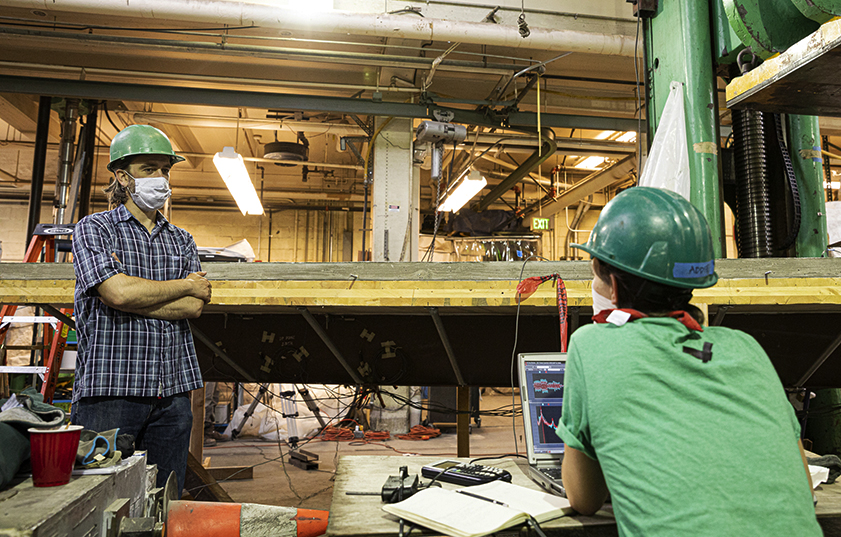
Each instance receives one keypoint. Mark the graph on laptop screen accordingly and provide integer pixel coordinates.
(545, 383)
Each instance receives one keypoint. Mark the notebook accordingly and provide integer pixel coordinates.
(479, 509)
(541, 394)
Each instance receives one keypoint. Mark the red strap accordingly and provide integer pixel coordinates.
(530, 285)
(685, 319)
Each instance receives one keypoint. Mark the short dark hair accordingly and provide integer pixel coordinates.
(647, 296)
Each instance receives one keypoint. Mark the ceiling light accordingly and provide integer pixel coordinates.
(233, 172)
(834, 185)
(590, 163)
(629, 136)
(604, 135)
(470, 185)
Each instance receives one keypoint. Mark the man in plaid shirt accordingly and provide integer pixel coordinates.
(138, 280)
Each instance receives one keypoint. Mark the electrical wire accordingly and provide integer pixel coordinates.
(639, 99)
(420, 432)
(514, 351)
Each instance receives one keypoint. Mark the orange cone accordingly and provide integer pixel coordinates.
(211, 519)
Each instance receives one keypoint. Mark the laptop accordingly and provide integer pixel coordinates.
(541, 395)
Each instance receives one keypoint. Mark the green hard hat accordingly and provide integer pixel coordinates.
(657, 235)
(141, 140)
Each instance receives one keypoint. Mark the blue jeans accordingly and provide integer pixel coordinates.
(161, 427)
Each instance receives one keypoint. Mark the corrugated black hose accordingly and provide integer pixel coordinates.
(792, 182)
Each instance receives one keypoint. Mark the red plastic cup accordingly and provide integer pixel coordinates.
(53, 454)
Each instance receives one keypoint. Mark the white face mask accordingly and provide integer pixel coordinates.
(600, 302)
(150, 193)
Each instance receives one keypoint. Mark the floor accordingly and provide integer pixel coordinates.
(276, 482)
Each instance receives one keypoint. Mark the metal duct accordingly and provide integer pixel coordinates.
(753, 205)
(268, 16)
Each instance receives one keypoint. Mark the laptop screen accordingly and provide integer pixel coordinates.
(544, 382)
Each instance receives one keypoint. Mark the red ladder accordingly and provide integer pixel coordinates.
(44, 239)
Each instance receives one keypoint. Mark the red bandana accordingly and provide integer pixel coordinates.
(685, 319)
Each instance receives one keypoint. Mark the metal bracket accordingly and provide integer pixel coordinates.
(819, 362)
(442, 333)
(330, 345)
(201, 336)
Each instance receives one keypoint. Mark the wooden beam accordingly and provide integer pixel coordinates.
(197, 432)
(201, 485)
(463, 421)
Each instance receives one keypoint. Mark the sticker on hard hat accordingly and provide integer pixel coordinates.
(693, 270)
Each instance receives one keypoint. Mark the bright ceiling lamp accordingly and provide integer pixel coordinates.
(590, 163)
(629, 136)
(470, 185)
(604, 135)
(232, 169)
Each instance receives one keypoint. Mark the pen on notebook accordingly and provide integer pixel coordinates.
(481, 498)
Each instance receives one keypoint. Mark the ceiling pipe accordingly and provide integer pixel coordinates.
(546, 150)
(340, 22)
(245, 123)
(257, 51)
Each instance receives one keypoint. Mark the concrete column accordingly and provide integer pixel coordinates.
(396, 193)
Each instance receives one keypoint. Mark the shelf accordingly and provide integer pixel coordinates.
(805, 79)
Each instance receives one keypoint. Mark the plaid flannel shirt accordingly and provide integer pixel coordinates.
(120, 353)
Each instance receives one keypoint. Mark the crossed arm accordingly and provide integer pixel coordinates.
(170, 300)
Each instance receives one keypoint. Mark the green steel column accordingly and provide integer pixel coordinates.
(679, 48)
(805, 147)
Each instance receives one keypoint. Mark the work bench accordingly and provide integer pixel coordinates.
(362, 516)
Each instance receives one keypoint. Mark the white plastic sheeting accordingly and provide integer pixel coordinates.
(667, 165)
(268, 423)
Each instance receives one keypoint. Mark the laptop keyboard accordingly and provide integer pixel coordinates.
(554, 473)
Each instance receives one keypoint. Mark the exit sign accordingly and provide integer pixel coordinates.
(539, 223)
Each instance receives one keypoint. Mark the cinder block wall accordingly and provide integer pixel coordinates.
(280, 236)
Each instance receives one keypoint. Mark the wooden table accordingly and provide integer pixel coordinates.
(358, 516)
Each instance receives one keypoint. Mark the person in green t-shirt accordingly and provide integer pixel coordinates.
(687, 427)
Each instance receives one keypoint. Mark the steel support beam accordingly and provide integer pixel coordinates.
(330, 345)
(201, 336)
(589, 185)
(678, 45)
(448, 348)
(546, 150)
(804, 139)
(819, 362)
(307, 103)
(39, 161)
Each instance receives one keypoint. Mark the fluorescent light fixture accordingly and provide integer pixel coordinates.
(232, 169)
(470, 185)
(604, 135)
(591, 163)
(834, 185)
(629, 136)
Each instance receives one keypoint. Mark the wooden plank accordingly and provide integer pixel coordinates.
(487, 288)
(201, 485)
(197, 432)
(463, 421)
(231, 473)
(58, 273)
(802, 80)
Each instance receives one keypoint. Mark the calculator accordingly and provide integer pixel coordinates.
(462, 473)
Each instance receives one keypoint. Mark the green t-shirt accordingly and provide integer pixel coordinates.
(687, 447)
